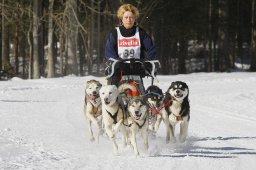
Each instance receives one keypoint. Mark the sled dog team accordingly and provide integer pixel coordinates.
(112, 110)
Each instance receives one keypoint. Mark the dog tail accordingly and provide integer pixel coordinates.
(126, 86)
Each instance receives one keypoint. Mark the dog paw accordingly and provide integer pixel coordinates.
(172, 141)
(124, 144)
(137, 154)
(167, 140)
(153, 136)
(151, 128)
(146, 147)
(92, 139)
(112, 136)
(182, 139)
(101, 131)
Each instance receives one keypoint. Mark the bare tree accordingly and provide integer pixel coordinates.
(5, 41)
(71, 12)
(253, 38)
(37, 5)
(209, 67)
(223, 36)
(50, 64)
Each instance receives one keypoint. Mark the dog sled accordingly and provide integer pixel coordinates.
(149, 69)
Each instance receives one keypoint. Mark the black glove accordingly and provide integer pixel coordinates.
(119, 59)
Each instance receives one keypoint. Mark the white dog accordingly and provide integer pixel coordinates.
(93, 107)
(112, 111)
(137, 122)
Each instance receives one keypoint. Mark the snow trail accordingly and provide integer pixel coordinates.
(42, 126)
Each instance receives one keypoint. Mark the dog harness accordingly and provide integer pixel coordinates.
(140, 126)
(114, 117)
(95, 110)
(93, 99)
(177, 118)
(156, 110)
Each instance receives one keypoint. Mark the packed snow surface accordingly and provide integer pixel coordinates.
(42, 126)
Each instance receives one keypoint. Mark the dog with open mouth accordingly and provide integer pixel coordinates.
(113, 111)
(137, 122)
(179, 110)
(93, 107)
(154, 98)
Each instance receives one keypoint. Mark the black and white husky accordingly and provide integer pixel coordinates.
(179, 110)
(154, 98)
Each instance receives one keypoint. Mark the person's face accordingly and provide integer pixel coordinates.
(128, 19)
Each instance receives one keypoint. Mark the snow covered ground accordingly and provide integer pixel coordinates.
(42, 126)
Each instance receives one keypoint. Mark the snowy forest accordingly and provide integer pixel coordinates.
(53, 38)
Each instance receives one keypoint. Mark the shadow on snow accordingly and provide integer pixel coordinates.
(192, 148)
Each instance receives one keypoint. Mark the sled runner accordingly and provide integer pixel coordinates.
(147, 69)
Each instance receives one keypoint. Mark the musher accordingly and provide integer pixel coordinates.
(127, 45)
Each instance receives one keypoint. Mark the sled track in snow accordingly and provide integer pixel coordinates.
(224, 113)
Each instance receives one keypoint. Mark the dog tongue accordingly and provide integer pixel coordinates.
(93, 97)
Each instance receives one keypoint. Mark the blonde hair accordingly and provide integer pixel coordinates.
(127, 7)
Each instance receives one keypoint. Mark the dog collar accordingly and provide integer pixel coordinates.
(140, 126)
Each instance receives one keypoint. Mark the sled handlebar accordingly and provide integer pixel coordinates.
(112, 63)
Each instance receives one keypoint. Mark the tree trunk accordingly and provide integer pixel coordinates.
(183, 52)
(5, 62)
(22, 52)
(50, 62)
(30, 63)
(15, 48)
(62, 43)
(253, 39)
(72, 65)
(2, 33)
(81, 54)
(37, 4)
(6, 50)
(223, 37)
(209, 67)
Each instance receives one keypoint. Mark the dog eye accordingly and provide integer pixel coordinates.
(110, 92)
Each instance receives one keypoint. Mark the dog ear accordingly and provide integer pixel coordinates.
(99, 84)
(171, 86)
(86, 85)
(185, 84)
(161, 91)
